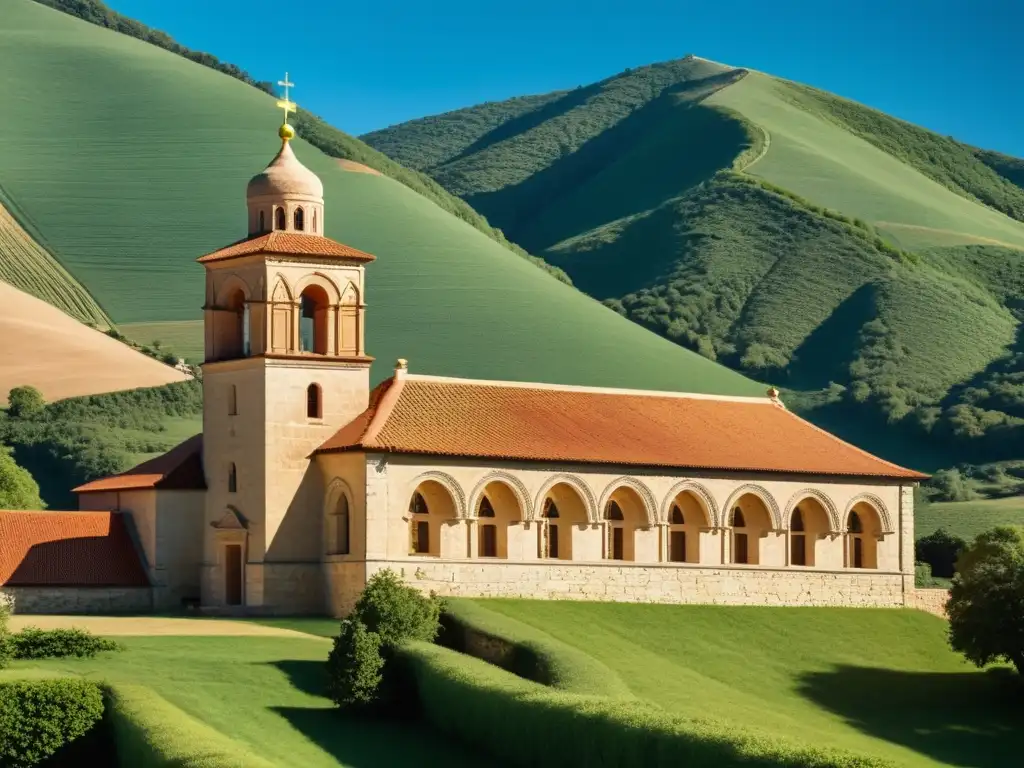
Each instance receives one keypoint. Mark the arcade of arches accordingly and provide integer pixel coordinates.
(498, 522)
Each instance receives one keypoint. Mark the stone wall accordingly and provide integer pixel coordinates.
(63, 600)
(650, 583)
(930, 600)
(292, 588)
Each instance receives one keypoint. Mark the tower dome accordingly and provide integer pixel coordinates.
(286, 196)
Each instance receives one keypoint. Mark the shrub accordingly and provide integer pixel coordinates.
(24, 402)
(986, 603)
(950, 485)
(6, 646)
(39, 717)
(354, 666)
(940, 550)
(363, 671)
(18, 489)
(35, 643)
(481, 704)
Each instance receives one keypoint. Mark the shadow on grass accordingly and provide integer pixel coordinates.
(308, 676)
(966, 719)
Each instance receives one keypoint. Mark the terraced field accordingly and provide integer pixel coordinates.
(131, 162)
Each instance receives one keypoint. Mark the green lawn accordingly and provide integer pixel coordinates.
(265, 693)
(969, 518)
(877, 682)
(177, 429)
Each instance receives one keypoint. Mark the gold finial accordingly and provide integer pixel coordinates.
(286, 132)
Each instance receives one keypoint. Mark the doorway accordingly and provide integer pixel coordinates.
(233, 574)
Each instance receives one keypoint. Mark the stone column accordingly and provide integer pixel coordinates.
(473, 535)
(646, 544)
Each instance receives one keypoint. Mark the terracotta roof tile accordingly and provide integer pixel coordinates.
(86, 549)
(496, 420)
(289, 244)
(181, 468)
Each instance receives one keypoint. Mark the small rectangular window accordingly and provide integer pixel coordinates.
(553, 541)
(421, 538)
(488, 541)
(677, 547)
(798, 546)
(617, 544)
(233, 401)
(740, 546)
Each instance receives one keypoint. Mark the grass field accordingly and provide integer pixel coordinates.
(266, 694)
(160, 141)
(879, 683)
(967, 519)
(182, 337)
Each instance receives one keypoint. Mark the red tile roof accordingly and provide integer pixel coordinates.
(81, 549)
(530, 422)
(288, 244)
(181, 468)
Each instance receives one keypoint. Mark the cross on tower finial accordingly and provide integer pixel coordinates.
(288, 106)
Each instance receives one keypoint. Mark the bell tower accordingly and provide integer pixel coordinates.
(285, 367)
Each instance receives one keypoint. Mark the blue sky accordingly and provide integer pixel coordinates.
(954, 66)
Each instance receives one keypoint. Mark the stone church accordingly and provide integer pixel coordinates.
(305, 481)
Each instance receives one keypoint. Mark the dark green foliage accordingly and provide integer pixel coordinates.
(72, 441)
(6, 646)
(986, 604)
(1008, 167)
(940, 551)
(525, 724)
(24, 402)
(395, 611)
(39, 717)
(18, 489)
(354, 666)
(363, 669)
(35, 643)
(313, 129)
(954, 165)
(949, 485)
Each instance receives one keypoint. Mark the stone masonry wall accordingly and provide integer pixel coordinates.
(650, 583)
(930, 600)
(61, 600)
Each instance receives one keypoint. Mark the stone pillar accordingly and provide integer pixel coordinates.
(523, 541)
(773, 548)
(587, 541)
(828, 552)
(473, 537)
(453, 539)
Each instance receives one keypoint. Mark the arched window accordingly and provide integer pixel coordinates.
(420, 528)
(551, 513)
(676, 517)
(855, 528)
(263, 222)
(617, 543)
(314, 220)
(613, 511)
(488, 531)
(279, 218)
(232, 479)
(341, 526)
(233, 401)
(676, 537)
(246, 341)
(740, 549)
(314, 404)
(299, 220)
(797, 539)
(313, 320)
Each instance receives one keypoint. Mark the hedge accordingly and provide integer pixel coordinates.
(526, 651)
(150, 732)
(39, 717)
(526, 724)
(35, 643)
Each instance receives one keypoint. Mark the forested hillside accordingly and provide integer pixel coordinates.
(873, 268)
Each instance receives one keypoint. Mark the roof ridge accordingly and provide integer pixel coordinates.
(385, 405)
(427, 378)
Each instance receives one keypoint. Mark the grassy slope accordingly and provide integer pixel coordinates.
(265, 693)
(766, 279)
(877, 682)
(967, 519)
(167, 141)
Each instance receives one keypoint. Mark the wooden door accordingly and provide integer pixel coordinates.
(618, 544)
(233, 574)
(677, 547)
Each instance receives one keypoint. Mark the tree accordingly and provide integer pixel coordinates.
(986, 603)
(18, 489)
(24, 402)
(940, 550)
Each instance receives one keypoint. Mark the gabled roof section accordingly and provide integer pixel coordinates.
(538, 422)
(288, 244)
(73, 549)
(180, 469)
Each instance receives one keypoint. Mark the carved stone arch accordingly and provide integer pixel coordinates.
(702, 493)
(877, 503)
(589, 502)
(319, 278)
(229, 286)
(821, 498)
(446, 481)
(763, 494)
(350, 296)
(336, 488)
(282, 292)
(514, 484)
(650, 505)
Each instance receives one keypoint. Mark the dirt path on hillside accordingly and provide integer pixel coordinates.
(152, 625)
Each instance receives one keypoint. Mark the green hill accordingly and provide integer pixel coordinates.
(870, 266)
(126, 162)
